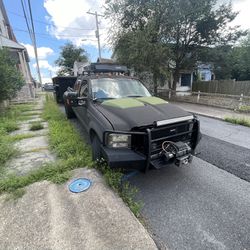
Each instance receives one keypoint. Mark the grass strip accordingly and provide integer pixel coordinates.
(72, 153)
(244, 108)
(239, 121)
(20, 137)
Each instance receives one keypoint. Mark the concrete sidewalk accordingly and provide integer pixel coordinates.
(214, 112)
(49, 216)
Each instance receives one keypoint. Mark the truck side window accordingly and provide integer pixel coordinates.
(78, 84)
(84, 89)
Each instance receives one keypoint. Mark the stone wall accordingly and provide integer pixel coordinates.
(26, 94)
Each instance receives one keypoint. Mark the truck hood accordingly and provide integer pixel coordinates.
(127, 113)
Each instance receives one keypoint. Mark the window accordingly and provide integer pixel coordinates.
(84, 89)
(117, 88)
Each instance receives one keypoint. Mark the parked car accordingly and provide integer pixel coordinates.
(48, 87)
(129, 127)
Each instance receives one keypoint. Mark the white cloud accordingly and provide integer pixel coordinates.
(243, 6)
(70, 20)
(45, 65)
(46, 80)
(43, 52)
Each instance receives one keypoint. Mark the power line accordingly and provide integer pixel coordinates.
(51, 24)
(26, 21)
(31, 30)
(44, 34)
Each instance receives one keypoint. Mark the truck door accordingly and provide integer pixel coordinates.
(81, 111)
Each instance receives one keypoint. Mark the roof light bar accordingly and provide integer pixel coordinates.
(174, 120)
(105, 68)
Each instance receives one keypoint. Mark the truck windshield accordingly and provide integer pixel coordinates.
(112, 88)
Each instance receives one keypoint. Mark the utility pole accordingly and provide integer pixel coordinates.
(97, 31)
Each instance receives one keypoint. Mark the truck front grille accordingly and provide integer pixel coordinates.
(172, 132)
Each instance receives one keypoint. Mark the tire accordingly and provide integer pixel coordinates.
(69, 112)
(96, 148)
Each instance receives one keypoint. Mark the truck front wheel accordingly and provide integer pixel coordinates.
(96, 148)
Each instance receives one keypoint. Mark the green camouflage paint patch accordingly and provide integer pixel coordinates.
(152, 100)
(123, 103)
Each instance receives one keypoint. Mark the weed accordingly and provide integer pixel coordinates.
(20, 137)
(16, 194)
(9, 125)
(73, 153)
(239, 121)
(36, 126)
(244, 108)
(125, 190)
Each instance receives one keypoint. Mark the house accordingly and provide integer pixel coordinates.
(205, 72)
(202, 72)
(79, 67)
(18, 52)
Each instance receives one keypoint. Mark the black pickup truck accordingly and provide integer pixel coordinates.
(129, 127)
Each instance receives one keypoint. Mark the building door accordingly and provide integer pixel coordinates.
(186, 80)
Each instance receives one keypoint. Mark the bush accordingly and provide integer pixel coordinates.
(11, 79)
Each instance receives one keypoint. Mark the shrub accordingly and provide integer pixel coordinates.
(11, 79)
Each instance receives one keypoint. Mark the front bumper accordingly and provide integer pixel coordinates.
(124, 158)
(128, 158)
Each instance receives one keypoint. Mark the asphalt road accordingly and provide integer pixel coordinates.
(205, 205)
(202, 206)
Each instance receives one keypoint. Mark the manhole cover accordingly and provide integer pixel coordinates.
(79, 185)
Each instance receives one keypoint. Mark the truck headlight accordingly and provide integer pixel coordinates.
(119, 140)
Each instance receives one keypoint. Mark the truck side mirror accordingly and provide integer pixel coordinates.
(82, 101)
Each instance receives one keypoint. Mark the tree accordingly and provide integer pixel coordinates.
(11, 80)
(182, 26)
(68, 55)
(144, 55)
(241, 60)
(221, 59)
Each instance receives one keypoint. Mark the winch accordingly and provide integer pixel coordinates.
(180, 152)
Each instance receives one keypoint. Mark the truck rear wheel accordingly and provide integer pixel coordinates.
(69, 112)
(96, 148)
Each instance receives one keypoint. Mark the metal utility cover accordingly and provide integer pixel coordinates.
(80, 185)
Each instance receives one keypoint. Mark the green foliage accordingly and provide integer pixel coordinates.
(68, 55)
(241, 60)
(11, 79)
(178, 27)
(244, 108)
(221, 59)
(20, 137)
(239, 121)
(36, 126)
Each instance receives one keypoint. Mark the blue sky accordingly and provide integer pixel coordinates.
(59, 21)
(48, 39)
